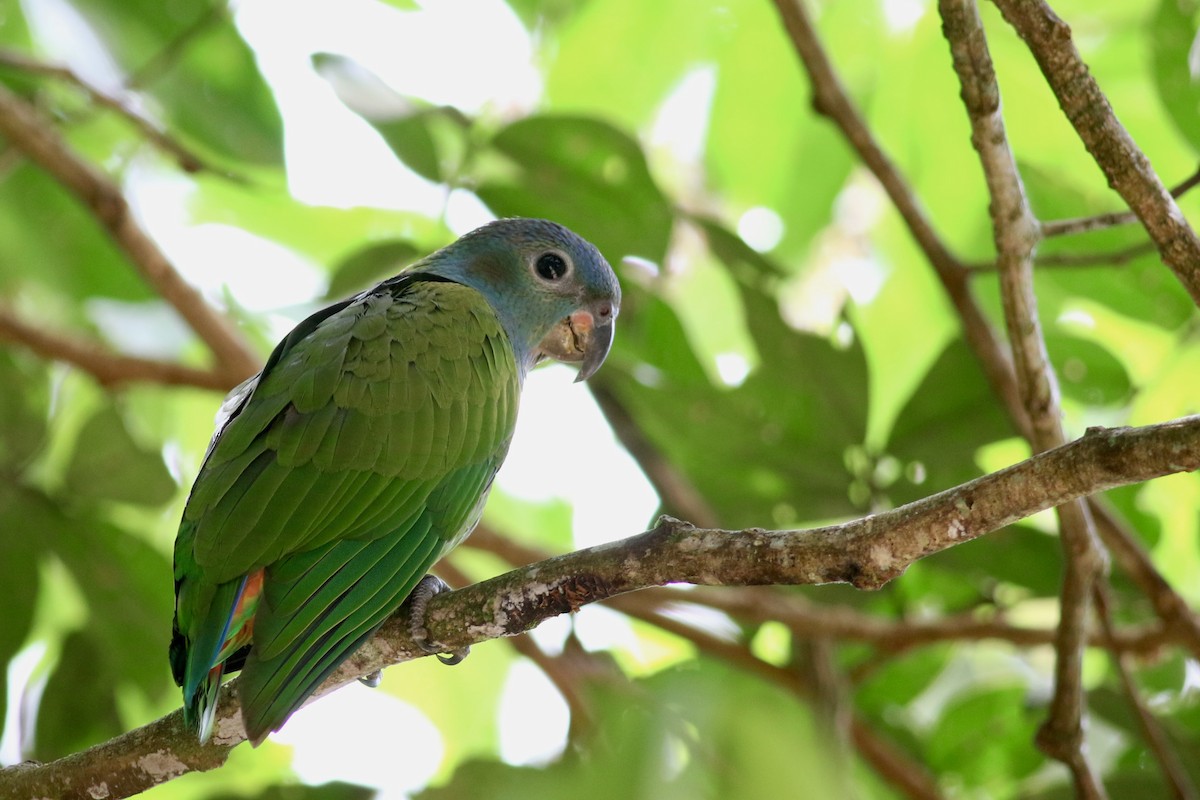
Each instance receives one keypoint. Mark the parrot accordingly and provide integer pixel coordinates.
(361, 454)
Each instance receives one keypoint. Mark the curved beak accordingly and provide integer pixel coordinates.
(583, 338)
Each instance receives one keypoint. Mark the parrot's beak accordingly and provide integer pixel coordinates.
(583, 337)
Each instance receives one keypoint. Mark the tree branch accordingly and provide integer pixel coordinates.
(866, 552)
(1173, 770)
(1127, 169)
(830, 99)
(1069, 227)
(106, 367)
(1017, 234)
(27, 130)
(187, 160)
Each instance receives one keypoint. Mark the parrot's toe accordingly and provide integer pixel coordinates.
(429, 587)
(372, 681)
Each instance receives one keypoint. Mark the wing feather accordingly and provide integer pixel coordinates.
(354, 460)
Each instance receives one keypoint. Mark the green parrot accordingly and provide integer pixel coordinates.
(362, 453)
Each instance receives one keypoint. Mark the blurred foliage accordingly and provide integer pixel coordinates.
(851, 389)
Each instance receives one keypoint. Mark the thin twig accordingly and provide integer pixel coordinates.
(1172, 768)
(1135, 561)
(1017, 234)
(1112, 258)
(162, 61)
(810, 620)
(25, 128)
(1125, 166)
(108, 368)
(187, 160)
(1068, 227)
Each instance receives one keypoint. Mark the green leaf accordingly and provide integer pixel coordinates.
(900, 680)
(710, 731)
(429, 140)
(1087, 372)
(194, 62)
(108, 464)
(324, 234)
(78, 707)
(365, 266)
(335, 790)
(1172, 33)
(127, 584)
(948, 418)
(1141, 288)
(770, 451)
(1018, 554)
(24, 406)
(78, 259)
(20, 511)
(986, 739)
(584, 173)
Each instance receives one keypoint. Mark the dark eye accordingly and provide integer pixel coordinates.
(551, 266)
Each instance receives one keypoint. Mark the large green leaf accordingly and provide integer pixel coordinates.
(1172, 34)
(108, 464)
(47, 237)
(1004, 754)
(127, 585)
(711, 731)
(25, 521)
(24, 405)
(948, 418)
(429, 140)
(584, 173)
(78, 706)
(1087, 372)
(194, 62)
(1142, 288)
(771, 451)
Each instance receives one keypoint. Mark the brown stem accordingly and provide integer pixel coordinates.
(1126, 168)
(187, 160)
(1017, 234)
(1068, 227)
(108, 368)
(27, 130)
(1172, 768)
(830, 100)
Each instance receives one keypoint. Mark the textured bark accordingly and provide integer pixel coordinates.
(866, 552)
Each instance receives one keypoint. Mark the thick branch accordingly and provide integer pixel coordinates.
(866, 552)
(25, 129)
(1124, 165)
(106, 367)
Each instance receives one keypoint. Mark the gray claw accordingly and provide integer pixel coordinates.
(429, 587)
(372, 681)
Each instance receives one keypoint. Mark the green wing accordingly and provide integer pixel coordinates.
(362, 455)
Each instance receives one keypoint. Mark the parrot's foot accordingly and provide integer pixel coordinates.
(372, 681)
(429, 587)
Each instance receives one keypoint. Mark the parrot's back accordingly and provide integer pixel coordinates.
(359, 456)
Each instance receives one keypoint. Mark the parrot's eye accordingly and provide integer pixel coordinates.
(550, 266)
